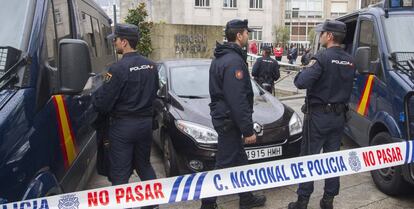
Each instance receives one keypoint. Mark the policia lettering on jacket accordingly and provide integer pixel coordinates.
(328, 80)
(127, 96)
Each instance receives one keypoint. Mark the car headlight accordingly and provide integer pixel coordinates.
(295, 124)
(198, 132)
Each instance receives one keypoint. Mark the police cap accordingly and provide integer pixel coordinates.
(238, 24)
(331, 26)
(125, 30)
(267, 48)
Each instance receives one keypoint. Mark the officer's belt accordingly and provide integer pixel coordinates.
(327, 108)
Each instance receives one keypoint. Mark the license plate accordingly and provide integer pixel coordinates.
(267, 152)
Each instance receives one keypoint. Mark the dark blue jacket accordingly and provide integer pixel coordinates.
(231, 88)
(129, 89)
(328, 78)
(266, 69)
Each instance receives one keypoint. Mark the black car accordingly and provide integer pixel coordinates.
(183, 128)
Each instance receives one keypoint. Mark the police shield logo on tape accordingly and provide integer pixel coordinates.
(68, 202)
(354, 161)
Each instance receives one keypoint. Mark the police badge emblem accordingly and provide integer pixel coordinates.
(68, 202)
(354, 161)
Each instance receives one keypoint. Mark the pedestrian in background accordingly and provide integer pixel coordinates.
(278, 52)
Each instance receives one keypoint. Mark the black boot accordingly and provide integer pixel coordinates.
(253, 201)
(301, 203)
(326, 202)
(208, 206)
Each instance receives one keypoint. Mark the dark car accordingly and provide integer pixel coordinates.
(184, 131)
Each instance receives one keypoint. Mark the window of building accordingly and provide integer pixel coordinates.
(339, 8)
(230, 3)
(256, 4)
(202, 3)
(256, 35)
(58, 16)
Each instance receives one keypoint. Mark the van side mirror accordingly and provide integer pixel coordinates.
(74, 66)
(362, 60)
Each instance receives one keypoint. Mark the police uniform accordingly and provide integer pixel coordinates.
(266, 70)
(231, 109)
(127, 95)
(328, 79)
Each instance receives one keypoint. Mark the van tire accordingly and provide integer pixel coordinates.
(388, 180)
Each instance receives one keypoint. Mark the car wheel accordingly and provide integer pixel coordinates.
(169, 158)
(388, 180)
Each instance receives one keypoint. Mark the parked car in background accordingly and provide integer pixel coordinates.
(184, 131)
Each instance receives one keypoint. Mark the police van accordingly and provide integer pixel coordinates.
(380, 38)
(52, 56)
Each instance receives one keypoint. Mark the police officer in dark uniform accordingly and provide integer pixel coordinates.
(328, 79)
(232, 106)
(266, 70)
(127, 95)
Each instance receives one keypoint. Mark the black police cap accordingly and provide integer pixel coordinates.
(267, 48)
(125, 30)
(331, 26)
(236, 23)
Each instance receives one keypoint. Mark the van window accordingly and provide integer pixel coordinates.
(58, 28)
(369, 38)
(106, 30)
(86, 27)
(97, 37)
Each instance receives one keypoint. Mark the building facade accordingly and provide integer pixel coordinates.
(302, 16)
(263, 15)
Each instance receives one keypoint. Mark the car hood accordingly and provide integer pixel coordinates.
(268, 111)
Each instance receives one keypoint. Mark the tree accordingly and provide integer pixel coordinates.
(138, 17)
(282, 34)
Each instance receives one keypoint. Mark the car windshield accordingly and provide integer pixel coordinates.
(14, 20)
(193, 81)
(399, 33)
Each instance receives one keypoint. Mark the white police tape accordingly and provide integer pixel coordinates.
(231, 180)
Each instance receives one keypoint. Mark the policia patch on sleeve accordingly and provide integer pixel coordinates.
(107, 77)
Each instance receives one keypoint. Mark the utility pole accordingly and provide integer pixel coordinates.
(115, 20)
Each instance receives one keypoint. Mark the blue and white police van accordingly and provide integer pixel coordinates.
(380, 38)
(52, 56)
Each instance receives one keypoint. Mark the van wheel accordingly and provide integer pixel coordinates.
(169, 158)
(389, 180)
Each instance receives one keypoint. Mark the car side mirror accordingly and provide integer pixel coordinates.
(74, 67)
(362, 60)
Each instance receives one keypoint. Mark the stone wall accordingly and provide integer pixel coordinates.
(184, 41)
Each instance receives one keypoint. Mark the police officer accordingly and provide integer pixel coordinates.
(232, 106)
(328, 79)
(266, 70)
(127, 95)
